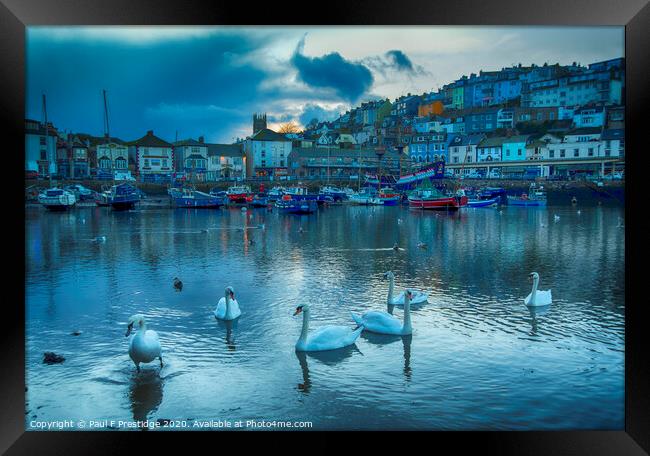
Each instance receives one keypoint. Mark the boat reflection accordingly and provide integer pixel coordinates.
(146, 393)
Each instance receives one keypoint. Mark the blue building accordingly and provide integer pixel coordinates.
(482, 121)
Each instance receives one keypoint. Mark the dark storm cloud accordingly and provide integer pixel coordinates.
(195, 86)
(348, 79)
(399, 60)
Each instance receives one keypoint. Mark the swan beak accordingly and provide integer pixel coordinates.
(298, 310)
(128, 330)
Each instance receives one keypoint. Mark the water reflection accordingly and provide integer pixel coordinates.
(145, 393)
(327, 358)
(408, 372)
(229, 326)
(534, 312)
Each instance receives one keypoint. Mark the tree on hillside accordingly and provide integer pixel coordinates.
(289, 127)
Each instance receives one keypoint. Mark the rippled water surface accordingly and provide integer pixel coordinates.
(478, 358)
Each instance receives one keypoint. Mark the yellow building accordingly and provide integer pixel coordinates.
(432, 108)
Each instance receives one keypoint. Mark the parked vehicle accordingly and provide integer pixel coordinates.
(31, 174)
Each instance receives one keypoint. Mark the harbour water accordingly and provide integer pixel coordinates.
(478, 358)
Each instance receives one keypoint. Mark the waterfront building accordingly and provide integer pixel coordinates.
(73, 158)
(191, 158)
(580, 89)
(616, 117)
(490, 149)
(40, 148)
(152, 155)
(613, 142)
(583, 134)
(463, 148)
(225, 162)
(318, 163)
(112, 156)
(514, 148)
(267, 154)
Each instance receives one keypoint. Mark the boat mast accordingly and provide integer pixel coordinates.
(47, 149)
(107, 132)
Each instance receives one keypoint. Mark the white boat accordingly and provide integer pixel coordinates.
(364, 197)
(57, 199)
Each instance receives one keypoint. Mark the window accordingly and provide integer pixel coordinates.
(146, 162)
(590, 152)
(519, 152)
(576, 152)
(155, 162)
(562, 153)
(42, 138)
(43, 154)
(551, 154)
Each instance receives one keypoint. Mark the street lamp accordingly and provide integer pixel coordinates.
(379, 151)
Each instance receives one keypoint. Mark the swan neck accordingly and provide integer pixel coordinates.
(407, 315)
(534, 291)
(227, 304)
(305, 325)
(391, 285)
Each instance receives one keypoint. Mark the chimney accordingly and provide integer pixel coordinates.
(150, 133)
(201, 139)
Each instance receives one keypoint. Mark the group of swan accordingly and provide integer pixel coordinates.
(144, 346)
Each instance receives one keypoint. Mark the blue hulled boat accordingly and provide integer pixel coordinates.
(302, 194)
(483, 203)
(123, 197)
(293, 206)
(535, 197)
(260, 200)
(191, 198)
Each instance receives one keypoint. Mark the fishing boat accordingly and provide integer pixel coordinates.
(123, 197)
(364, 196)
(260, 200)
(292, 206)
(103, 198)
(386, 197)
(57, 199)
(428, 197)
(240, 194)
(493, 192)
(301, 193)
(535, 197)
(337, 194)
(81, 193)
(275, 194)
(192, 198)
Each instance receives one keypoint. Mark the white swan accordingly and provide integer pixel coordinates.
(227, 308)
(325, 338)
(385, 323)
(556, 218)
(417, 297)
(144, 345)
(537, 298)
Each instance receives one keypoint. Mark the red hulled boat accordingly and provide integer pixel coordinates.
(433, 199)
(240, 194)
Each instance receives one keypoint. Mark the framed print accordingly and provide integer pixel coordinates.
(395, 219)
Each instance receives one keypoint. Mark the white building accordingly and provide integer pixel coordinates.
(226, 161)
(152, 155)
(267, 153)
(112, 156)
(39, 151)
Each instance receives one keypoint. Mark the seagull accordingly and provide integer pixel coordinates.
(578, 212)
(399, 221)
(395, 247)
(100, 239)
(250, 242)
(262, 226)
(422, 245)
(542, 225)
(300, 230)
(556, 218)
(204, 231)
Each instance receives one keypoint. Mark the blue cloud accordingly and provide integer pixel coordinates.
(348, 79)
(400, 60)
(315, 111)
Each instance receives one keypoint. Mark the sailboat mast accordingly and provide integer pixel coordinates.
(107, 131)
(47, 134)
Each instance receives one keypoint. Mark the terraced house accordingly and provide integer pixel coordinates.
(152, 155)
(191, 157)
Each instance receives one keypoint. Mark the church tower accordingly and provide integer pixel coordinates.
(259, 122)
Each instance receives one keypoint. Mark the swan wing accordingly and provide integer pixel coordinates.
(144, 348)
(332, 337)
(381, 322)
(220, 311)
(234, 309)
(418, 297)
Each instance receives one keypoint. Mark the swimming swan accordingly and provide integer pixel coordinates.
(537, 298)
(144, 345)
(227, 308)
(325, 338)
(417, 297)
(385, 323)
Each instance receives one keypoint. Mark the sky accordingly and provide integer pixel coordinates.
(188, 82)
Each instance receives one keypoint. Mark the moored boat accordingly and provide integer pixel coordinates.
(260, 200)
(386, 197)
(301, 193)
(191, 198)
(364, 196)
(336, 193)
(275, 194)
(240, 194)
(292, 206)
(483, 203)
(103, 198)
(431, 198)
(57, 199)
(123, 197)
(535, 197)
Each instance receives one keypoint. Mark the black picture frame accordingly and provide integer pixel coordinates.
(15, 15)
